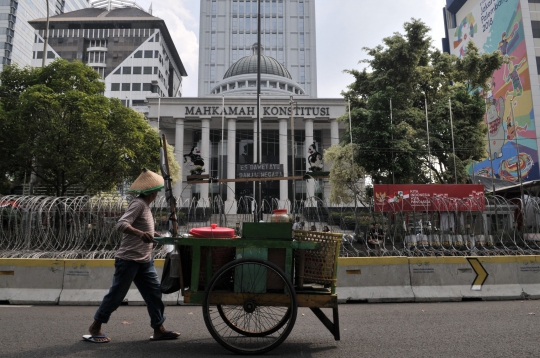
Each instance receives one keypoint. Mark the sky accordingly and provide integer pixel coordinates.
(344, 28)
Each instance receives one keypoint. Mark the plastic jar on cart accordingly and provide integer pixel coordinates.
(280, 216)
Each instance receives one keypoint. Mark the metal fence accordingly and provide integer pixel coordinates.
(84, 227)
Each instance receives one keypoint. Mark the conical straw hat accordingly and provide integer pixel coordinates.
(147, 183)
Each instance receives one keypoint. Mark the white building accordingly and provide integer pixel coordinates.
(228, 30)
(220, 129)
(16, 33)
(131, 49)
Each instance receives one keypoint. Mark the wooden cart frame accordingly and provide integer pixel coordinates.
(250, 304)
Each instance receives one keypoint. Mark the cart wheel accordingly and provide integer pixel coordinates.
(250, 306)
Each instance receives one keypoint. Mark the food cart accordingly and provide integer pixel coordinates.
(250, 287)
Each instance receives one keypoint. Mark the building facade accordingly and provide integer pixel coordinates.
(131, 49)
(16, 33)
(228, 30)
(218, 134)
(512, 28)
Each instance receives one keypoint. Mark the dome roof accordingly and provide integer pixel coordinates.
(248, 64)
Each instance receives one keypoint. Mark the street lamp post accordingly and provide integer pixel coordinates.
(46, 36)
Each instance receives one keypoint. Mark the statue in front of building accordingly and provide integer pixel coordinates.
(314, 159)
(193, 159)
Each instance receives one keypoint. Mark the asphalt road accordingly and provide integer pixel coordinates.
(461, 329)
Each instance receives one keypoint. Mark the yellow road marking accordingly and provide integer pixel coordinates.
(481, 274)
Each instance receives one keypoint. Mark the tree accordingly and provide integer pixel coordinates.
(345, 175)
(406, 73)
(56, 125)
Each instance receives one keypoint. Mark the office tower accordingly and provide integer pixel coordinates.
(16, 34)
(131, 49)
(228, 31)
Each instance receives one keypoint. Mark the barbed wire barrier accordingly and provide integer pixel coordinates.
(84, 227)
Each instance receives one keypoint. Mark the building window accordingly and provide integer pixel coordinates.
(241, 8)
(137, 70)
(126, 70)
(214, 24)
(214, 7)
(234, 40)
(302, 57)
(301, 25)
(213, 40)
(126, 86)
(157, 37)
(155, 70)
(248, 24)
(147, 70)
(156, 54)
(235, 23)
(536, 29)
(138, 54)
(148, 54)
(147, 87)
(302, 40)
(302, 74)
(235, 7)
(136, 87)
(118, 71)
(301, 8)
(115, 86)
(212, 73)
(213, 55)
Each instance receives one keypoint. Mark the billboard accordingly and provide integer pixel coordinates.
(511, 148)
(428, 197)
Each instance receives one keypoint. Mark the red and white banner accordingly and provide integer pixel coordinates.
(429, 197)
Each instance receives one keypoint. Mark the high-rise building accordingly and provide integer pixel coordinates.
(131, 49)
(512, 28)
(15, 32)
(228, 31)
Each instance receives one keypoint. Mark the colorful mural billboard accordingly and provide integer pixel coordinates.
(511, 149)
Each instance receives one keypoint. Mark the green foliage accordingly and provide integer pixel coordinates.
(406, 73)
(346, 176)
(57, 125)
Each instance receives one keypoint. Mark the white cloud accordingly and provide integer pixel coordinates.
(183, 23)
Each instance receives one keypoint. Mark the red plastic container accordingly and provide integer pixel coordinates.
(209, 232)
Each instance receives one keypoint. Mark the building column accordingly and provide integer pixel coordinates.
(310, 184)
(205, 154)
(154, 124)
(283, 184)
(334, 132)
(179, 155)
(230, 203)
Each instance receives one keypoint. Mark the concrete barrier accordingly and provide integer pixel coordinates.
(456, 278)
(374, 279)
(31, 281)
(86, 282)
(528, 271)
(370, 279)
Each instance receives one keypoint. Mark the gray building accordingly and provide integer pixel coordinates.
(15, 32)
(228, 30)
(131, 49)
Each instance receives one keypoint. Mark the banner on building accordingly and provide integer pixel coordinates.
(429, 197)
(259, 170)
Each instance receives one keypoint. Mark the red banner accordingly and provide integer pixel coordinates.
(429, 197)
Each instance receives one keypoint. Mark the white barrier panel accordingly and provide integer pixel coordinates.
(374, 279)
(529, 275)
(31, 281)
(86, 282)
(455, 278)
